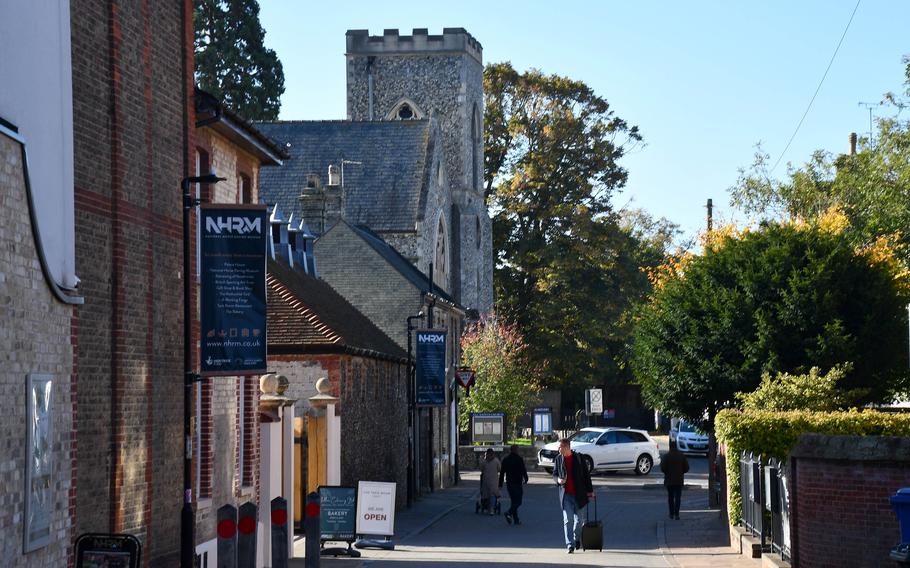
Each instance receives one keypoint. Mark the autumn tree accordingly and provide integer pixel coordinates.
(567, 265)
(505, 379)
(232, 62)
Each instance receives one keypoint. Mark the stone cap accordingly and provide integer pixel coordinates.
(852, 448)
(452, 40)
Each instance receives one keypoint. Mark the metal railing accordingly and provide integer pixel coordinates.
(778, 503)
(765, 503)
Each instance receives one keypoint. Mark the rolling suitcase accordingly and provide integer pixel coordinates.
(592, 532)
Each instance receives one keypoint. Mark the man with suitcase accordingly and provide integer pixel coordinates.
(575, 490)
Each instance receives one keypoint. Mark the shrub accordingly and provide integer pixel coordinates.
(811, 391)
(773, 435)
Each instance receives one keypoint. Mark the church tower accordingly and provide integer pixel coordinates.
(436, 77)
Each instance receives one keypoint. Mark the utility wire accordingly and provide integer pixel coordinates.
(817, 89)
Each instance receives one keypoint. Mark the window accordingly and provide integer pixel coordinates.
(405, 112)
(246, 189)
(475, 148)
(477, 231)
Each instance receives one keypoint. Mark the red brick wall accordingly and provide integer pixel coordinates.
(842, 516)
(131, 71)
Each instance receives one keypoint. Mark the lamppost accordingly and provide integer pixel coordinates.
(187, 514)
(412, 446)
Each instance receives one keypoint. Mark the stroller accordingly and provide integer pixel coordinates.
(482, 505)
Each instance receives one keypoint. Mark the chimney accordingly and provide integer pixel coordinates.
(312, 204)
(334, 175)
(853, 143)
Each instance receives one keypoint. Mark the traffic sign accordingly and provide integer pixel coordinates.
(595, 400)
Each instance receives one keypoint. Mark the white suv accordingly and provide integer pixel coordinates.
(690, 439)
(608, 449)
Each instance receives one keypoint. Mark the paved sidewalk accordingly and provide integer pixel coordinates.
(442, 531)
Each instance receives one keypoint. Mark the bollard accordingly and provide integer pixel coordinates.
(279, 532)
(312, 530)
(246, 540)
(227, 537)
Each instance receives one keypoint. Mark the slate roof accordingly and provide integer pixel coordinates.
(386, 191)
(400, 263)
(305, 315)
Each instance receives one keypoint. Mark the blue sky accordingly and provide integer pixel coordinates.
(704, 81)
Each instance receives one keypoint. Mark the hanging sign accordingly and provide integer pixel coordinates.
(431, 367)
(233, 242)
(337, 513)
(375, 508)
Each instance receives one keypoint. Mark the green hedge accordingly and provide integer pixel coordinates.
(773, 435)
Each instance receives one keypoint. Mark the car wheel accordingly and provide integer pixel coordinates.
(643, 465)
(589, 463)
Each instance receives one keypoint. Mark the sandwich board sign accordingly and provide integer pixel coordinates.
(375, 508)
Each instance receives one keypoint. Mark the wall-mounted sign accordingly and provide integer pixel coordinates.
(430, 367)
(232, 290)
(375, 508)
(95, 550)
(609, 413)
(39, 498)
(487, 427)
(337, 512)
(543, 421)
(594, 401)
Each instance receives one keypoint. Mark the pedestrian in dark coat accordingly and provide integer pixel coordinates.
(575, 489)
(675, 466)
(515, 474)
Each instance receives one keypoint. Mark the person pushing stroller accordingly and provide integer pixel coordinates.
(489, 484)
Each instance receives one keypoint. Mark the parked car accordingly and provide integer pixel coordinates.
(690, 439)
(608, 449)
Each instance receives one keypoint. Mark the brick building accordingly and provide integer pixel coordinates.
(226, 416)
(313, 333)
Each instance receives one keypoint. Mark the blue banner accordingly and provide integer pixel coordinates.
(233, 241)
(431, 367)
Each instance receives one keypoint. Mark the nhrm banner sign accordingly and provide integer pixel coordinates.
(431, 367)
(233, 241)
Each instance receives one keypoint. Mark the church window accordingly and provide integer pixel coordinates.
(405, 112)
(440, 263)
(477, 230)
(475, 148)
(405, 109)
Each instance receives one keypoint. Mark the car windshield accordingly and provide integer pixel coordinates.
(585, 436)
(686, 427)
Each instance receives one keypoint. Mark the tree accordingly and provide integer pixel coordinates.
(232, 63)
(872, 187)
(566, 269)
(505, 381)
(783, 298)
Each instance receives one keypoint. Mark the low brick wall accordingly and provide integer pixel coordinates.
(841, 515)
(469, 460)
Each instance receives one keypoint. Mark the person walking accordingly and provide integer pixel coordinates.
(575, 490)
(515, 474)
(675, 466)
(489, 473)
